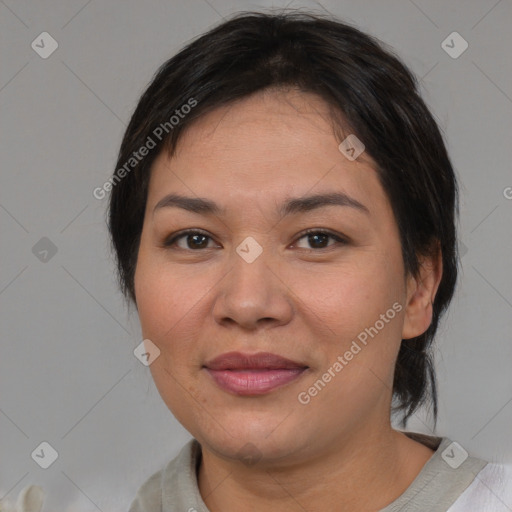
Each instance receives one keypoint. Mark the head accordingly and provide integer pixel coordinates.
(246, 122)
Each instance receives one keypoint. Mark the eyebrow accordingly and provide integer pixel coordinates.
(290, 206)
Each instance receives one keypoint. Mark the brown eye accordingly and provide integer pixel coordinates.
(194, 240)
(320, 239)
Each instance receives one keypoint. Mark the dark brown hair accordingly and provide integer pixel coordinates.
(369, 90)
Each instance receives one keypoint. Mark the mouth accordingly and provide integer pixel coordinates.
(256, 374)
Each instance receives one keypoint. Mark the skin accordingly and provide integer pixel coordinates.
(301, 299)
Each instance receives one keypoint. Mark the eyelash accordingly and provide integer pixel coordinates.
(177, 236)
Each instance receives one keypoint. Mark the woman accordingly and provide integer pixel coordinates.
(283, 214)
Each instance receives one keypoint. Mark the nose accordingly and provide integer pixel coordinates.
(253, 294)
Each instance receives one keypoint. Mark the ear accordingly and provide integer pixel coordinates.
(421, 292)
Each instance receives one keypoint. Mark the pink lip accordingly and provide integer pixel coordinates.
(256, 374)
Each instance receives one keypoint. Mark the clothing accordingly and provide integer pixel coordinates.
(451, 481)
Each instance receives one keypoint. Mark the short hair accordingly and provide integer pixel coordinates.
(369, 91)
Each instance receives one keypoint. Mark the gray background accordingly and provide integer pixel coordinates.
(68, 374)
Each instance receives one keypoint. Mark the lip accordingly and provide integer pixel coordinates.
(253, 374)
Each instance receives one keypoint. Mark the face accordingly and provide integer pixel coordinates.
(272, 270)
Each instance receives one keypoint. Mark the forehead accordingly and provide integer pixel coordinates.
(262, 148)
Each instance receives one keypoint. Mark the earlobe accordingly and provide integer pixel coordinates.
(421, 292)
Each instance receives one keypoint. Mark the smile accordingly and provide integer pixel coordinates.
(254, 382)
(256, 374)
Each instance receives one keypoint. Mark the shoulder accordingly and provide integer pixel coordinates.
(172, 487)
(149, 495)
(455, 481)
(490, 491)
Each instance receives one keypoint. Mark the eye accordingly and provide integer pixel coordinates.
(194, 239)
(319, 239)
(197, 239)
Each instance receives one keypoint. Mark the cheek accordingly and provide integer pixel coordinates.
(352, 296)
(163, 297)
(362, 302)
(166, 308)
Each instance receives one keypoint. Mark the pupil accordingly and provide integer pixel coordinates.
(317, 239)
(317, 235)
(195, 237)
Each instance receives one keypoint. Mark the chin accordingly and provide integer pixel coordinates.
(251, 438)
(251, 449)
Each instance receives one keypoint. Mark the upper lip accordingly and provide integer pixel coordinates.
(261, 360)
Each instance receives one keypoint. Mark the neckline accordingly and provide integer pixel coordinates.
(435, 481)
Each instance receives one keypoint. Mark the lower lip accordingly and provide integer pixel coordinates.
(254, 382)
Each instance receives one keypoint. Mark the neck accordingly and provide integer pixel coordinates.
(366, 472)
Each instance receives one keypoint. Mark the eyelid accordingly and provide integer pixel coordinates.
(174, 237)
(337, 237)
